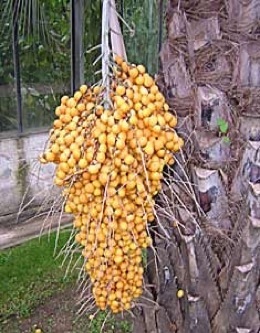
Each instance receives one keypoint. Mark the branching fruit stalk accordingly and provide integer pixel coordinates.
(106, 51)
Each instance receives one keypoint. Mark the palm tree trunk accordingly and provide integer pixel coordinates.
(207, 238)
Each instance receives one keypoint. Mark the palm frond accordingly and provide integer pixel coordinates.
(30, 15)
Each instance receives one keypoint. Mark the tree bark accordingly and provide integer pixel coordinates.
(207, 235)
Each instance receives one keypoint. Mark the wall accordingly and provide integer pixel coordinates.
(25, 184)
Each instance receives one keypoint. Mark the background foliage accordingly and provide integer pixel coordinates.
(44, 42)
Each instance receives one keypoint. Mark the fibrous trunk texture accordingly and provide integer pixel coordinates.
(207, 238)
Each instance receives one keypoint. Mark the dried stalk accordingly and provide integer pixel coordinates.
(117, 40)
(105, 50)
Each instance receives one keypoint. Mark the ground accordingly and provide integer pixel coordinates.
(58, 315)
(37, 291)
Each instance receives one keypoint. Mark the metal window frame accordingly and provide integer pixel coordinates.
(77, 47)
(16, 63)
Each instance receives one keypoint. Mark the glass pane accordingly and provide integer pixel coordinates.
(92, 38)
(45, 62)
(8, 118)
(142, 40)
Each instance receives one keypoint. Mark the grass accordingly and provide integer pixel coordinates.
(109, 324)
(30, 274)
(31, 277)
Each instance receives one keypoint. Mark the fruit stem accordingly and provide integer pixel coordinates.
(117, 40)
(105, 50)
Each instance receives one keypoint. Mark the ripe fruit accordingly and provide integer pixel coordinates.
(180, 293)
(110, 163)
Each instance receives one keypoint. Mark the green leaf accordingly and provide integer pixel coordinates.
(223, 125)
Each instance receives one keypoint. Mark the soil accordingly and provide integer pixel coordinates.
(56, 315)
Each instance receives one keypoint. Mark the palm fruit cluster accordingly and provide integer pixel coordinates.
(110, 159)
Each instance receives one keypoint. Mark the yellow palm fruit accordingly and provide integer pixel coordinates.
(149, 148)
(66, 118)
(151, 98)
(123, 226)
(180, 293)
(180, 142)
(111, 139)
(94, 169)
(102, 148)
(57, 123)
(155, 175)
(136, 97)
(166, 107)
(170, 145)
(139, 80)
(171, 136)
(101, 157)
(133, 120)
(80, 107)
(133, 143)
(148, 81)
(129, 93)
(64, 167)
(83, 163)
(55, 148)
(168, 117)
(83, 89)
(154, 166)
(104, 117)
(79, 140)
(64, 99)
(152, 121)
(176, 147)
(161, 153)
(119, 101)
(90, 106)
(147, 112)
(136, 108)
(171, 161)
(103, 178)
(97, 90)
(141, 69)
(129, 159)
(115, 129)
(49, 156)
(124, 126)
(143, 91)
(120, 90)
(71, 162)
(71, 103)
(122, 192)
(97, 192)
(124, 168)
(173, 122)
(158, 144)
(77, 96)
(76, 154)
(161, 120)
(118, 259)
(133, 72)
(124, 67)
